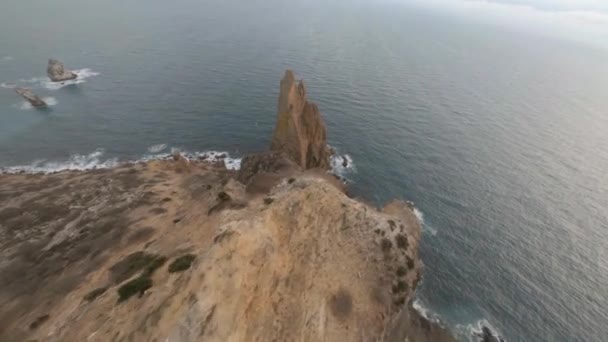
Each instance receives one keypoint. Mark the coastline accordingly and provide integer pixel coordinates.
(83, 221)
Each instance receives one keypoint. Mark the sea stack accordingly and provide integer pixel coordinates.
(58, 73)
(187, 250)
(300, 131)
(34, 99)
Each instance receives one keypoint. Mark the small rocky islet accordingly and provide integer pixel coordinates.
(57, 72)
(188, 250)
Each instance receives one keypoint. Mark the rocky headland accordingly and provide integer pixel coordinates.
(184, 250)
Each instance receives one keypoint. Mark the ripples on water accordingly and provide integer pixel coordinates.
(498, 137)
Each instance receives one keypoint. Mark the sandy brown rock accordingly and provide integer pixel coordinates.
(58, 73)
(300, 262)
(300, 131)
(32, 98)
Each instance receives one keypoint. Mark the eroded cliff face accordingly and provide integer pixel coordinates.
(181, 250)
(300, 131)
(300, 262)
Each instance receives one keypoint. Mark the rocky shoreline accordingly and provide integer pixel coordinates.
(181, 250)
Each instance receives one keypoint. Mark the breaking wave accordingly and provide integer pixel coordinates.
(475, 332)
(45, 82)
(479, 331)
(95, 160)
(8, 85)
(157, 148)
(341, 165)
(426, 228)
(209, 156)
(74, 162)
(425, 312)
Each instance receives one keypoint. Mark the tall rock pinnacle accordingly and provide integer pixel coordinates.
(300, 131)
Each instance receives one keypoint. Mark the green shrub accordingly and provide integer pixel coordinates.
(134, 263)
(410, 263)
(182, 263)
(138, 285)
(401, 241)
(130, 265)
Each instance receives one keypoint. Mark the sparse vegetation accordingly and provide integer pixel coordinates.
(38, 322)
(401, 271)
(400, 301)
(134, 263)
(386, 245)
(91, 296)
(158, 211)
(268, 200)
(410, 263)
(138, 286)
(401, 286)
(182, 263)
(141, 234)
(401, 241)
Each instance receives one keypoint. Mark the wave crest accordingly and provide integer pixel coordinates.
(426, 228)
(45, 82)
(78, 162)
(209, 156)
(480, 331)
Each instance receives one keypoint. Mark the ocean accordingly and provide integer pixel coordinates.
(497, 135)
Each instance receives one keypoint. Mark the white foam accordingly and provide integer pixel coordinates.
(75, 162)
(210, 156)
(50, 101)
(94, 161)
(7, 58)
(215, 156)
(45, 82)
(337, 162)
(157, 148)
(426, 228)
(419, 215)
(474, 332)
(8, 85)
(419, 306)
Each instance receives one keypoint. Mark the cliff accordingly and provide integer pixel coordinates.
(300, 131)
(179, 250)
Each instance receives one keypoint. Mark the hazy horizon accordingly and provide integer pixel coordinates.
(584, 21)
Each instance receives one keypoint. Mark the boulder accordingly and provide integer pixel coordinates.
(34, 99)
(300, 131)
(182, 164)
(487, 335)
(58, 73)
(266, 162)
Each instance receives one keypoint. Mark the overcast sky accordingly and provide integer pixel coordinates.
(560, 5)
(581, 20)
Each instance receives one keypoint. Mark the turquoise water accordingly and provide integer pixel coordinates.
(498, 136)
